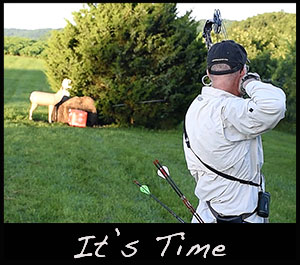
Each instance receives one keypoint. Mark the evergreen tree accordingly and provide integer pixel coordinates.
(124, 55)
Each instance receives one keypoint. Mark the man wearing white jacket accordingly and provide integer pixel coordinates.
(222, 140)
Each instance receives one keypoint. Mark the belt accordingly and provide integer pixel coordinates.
(229, 219)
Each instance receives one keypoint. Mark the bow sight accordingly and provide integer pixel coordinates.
(215, 24)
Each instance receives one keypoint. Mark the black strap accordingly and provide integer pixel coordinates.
(187, 141)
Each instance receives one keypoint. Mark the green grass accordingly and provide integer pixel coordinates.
(56, 173)
(280, 171)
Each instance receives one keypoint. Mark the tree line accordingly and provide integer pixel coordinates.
(143, 65)
(21, 46)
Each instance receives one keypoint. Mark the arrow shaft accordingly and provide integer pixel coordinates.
(178, 191)
(161, 203)
(167, 208)
(192, 210)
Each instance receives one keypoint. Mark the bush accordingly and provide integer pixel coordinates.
(130, 54)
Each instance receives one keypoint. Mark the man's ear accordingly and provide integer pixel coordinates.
(208, 74)
(243, 70)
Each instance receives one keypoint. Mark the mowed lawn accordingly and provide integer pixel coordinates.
(57, 173)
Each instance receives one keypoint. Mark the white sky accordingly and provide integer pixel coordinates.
(53, 15)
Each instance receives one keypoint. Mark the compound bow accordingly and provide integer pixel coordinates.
(215, 24)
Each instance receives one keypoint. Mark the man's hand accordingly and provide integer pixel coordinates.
(248, 78)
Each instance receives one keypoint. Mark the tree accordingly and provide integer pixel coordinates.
(131, 53)
(285, 76)
(61, 61)
(273, 32)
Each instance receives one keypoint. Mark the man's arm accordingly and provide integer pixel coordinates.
(257, 114)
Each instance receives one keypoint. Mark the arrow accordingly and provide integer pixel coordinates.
(165, 173)
(145, 189)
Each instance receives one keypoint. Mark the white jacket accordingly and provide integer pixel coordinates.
(224, 131)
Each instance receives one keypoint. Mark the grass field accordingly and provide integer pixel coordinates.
(56, 173)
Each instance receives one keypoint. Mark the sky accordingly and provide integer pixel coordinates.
(53, 15)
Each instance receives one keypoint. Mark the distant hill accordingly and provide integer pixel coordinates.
(34, 34)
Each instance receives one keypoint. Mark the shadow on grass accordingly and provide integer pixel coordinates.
(18, 84)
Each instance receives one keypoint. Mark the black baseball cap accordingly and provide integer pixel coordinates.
(226, 52)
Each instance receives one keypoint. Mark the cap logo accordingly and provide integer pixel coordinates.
(222, 59)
